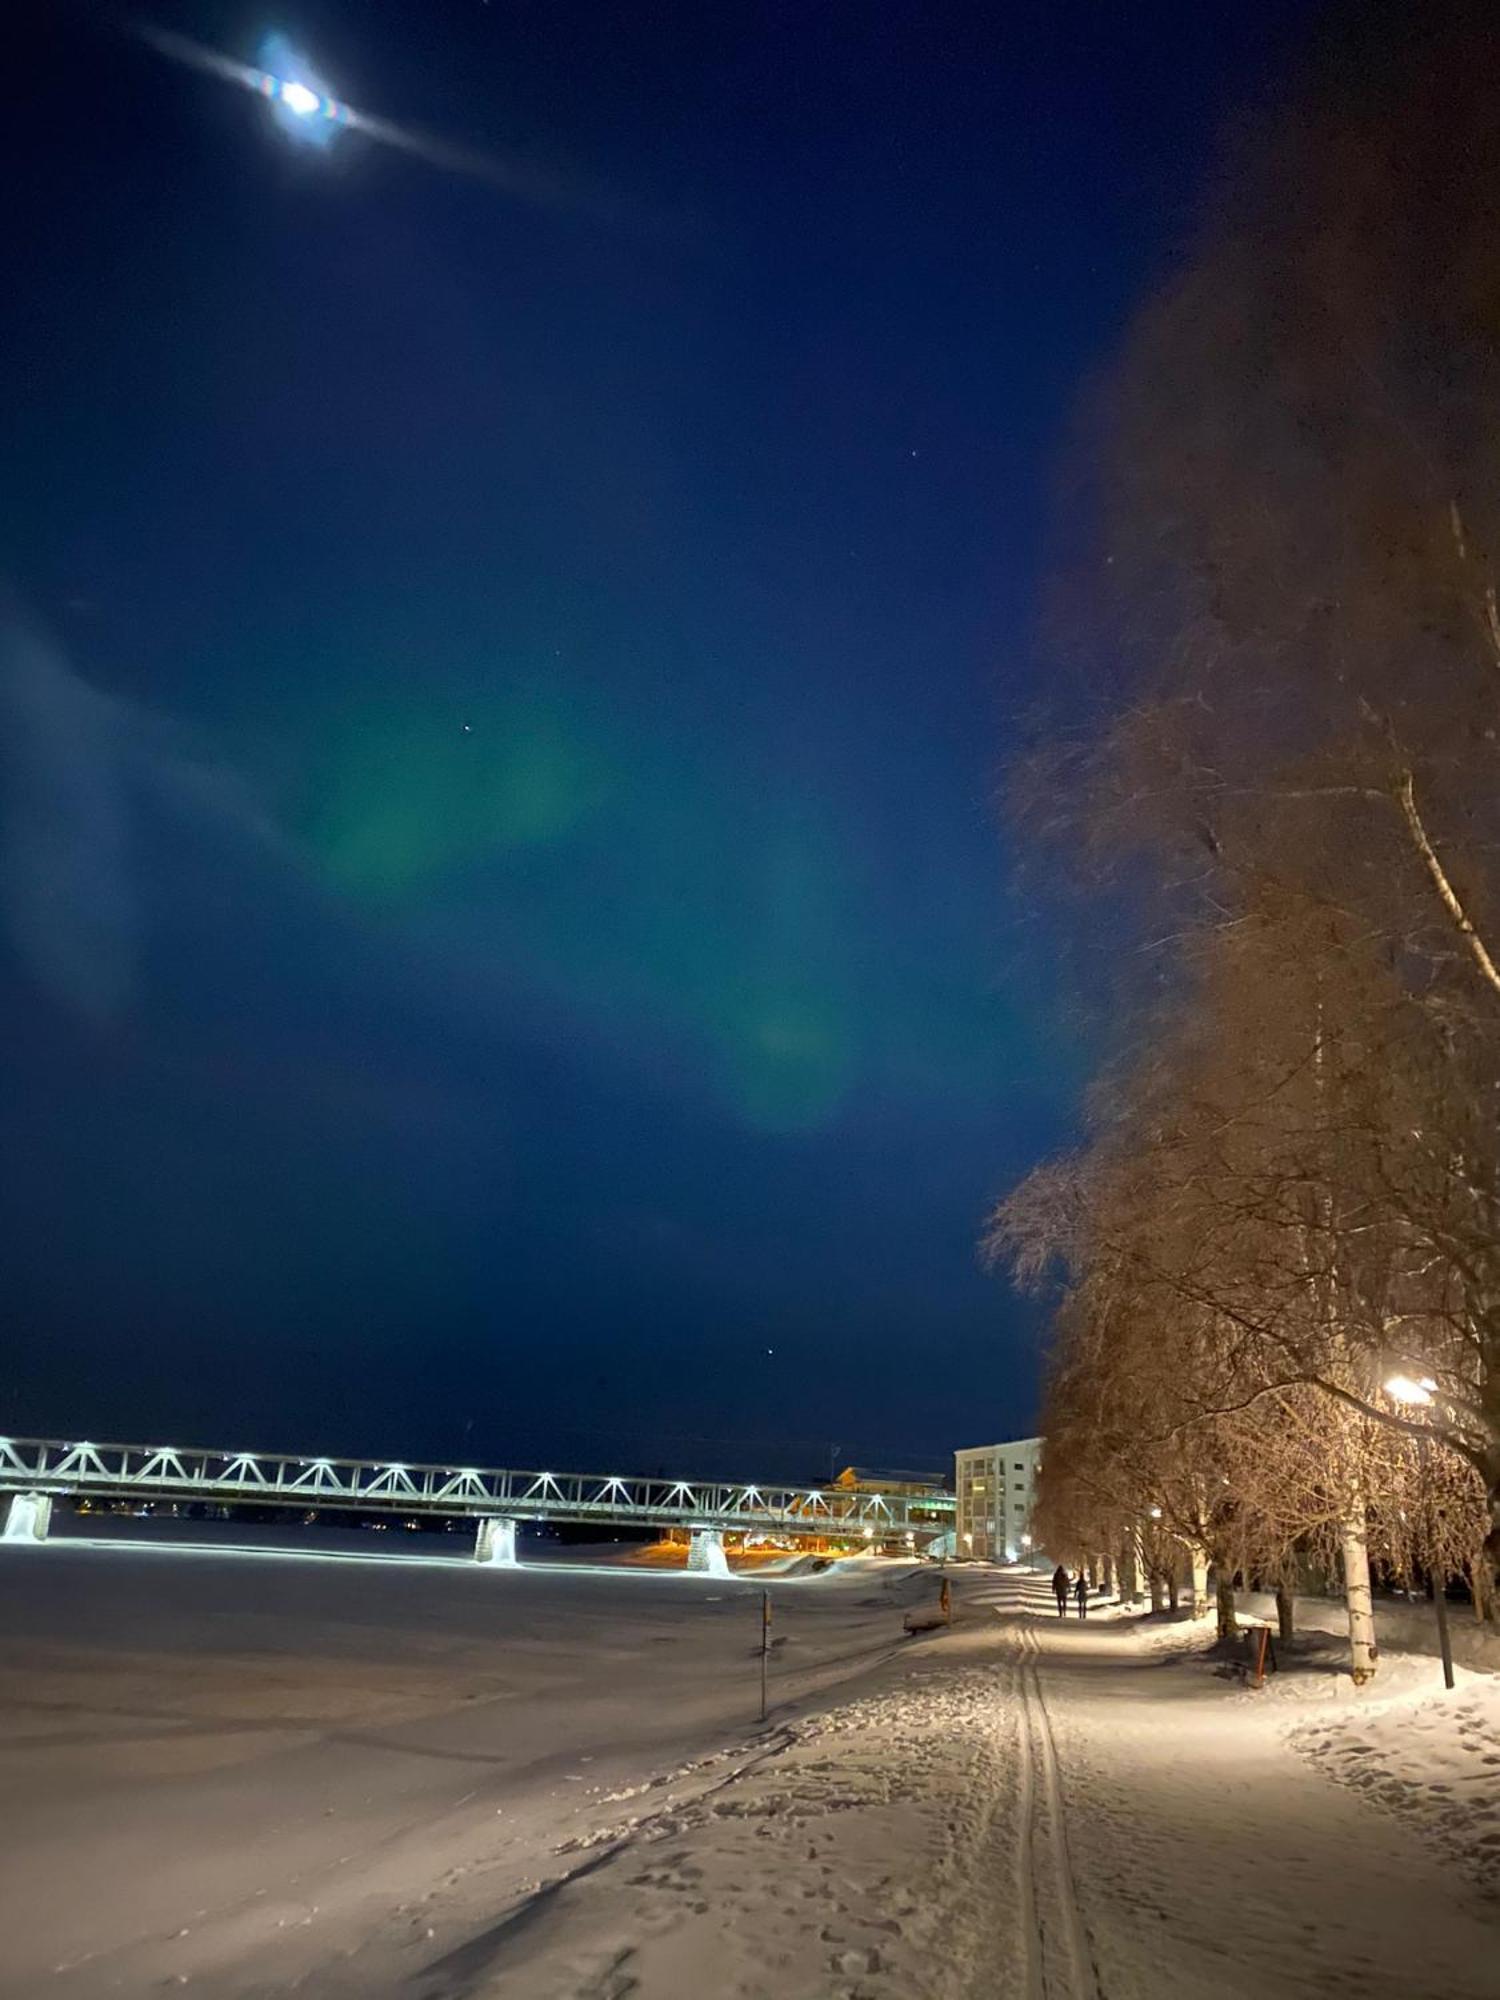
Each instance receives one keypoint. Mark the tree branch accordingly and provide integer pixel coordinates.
(1448, 894)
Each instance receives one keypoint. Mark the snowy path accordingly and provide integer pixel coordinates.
(1056, 1956)
(439, 1785)
(1031, 1811)
(1210, 1858)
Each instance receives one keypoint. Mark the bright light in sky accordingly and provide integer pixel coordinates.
(298, 98)
(297, 94)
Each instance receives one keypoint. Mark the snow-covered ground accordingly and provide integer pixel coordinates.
(254, 1776)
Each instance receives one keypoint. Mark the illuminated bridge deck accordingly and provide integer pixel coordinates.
(115, 1472)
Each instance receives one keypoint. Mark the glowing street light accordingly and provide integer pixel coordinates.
(1409, 1390)
(1417, 1393)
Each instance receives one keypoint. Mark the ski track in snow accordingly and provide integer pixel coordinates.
(1067, 1970)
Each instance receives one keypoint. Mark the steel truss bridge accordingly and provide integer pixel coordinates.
(36, 1470)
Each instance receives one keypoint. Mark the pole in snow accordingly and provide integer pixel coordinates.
(1421, 1395)
(765, 1646)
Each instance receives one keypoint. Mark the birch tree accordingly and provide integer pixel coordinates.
(1287, 547)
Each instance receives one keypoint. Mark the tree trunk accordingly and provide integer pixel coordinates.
(1356, 1553)
(1158, 1591)
(1224, 1604)
(1285, 1622)
(1481, 1590)
(1172, 1590)
(1199, 1560)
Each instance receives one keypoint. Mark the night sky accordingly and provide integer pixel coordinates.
(506, 945)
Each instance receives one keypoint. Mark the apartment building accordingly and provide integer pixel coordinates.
(996, 1485)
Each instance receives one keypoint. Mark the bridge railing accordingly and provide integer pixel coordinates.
(118, 1471)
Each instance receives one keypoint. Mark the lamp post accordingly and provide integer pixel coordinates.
(1417, 1394)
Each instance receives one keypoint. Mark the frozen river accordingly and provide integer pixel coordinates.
(236, 1770)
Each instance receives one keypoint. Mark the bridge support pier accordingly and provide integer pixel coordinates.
(28, 1518)
(706, 1552)
(495, 1543)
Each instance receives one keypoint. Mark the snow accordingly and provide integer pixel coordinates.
(252, 1775)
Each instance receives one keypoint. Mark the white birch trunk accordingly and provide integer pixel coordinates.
(1135, 1567)
(1356, 1554)
(1199, 1559)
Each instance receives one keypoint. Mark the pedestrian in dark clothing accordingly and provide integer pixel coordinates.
(1081, 1592)
(1060, 1590)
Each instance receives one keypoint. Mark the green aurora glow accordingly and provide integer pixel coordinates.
(645, 878)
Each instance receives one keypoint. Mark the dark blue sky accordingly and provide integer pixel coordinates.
(506, 940)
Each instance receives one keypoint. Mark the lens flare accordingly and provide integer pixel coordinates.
(307, 111)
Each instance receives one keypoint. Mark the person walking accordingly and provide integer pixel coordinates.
(1060, 1590)
(1081, 1592)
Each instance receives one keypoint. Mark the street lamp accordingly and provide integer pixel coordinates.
(1416, 1393)
(1410, 1390)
